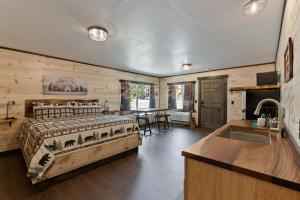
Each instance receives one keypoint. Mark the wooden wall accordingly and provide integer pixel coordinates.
(21, 78)
(245, 76)
(290, 91)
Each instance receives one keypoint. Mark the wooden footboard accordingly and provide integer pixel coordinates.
(69, 161)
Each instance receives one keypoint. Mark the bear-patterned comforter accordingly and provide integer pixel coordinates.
(41, 140)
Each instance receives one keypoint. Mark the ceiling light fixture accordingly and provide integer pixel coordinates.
(253, 7)
(186, 67)
(98, 34)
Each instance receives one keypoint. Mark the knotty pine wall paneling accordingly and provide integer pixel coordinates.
(290, 91)
(21, 77)
(237, 77)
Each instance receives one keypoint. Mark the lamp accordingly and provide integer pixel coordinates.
(186, 67)
(7, 106)
(98, 34)
(253, 7)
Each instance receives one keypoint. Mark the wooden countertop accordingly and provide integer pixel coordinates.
(277, 162)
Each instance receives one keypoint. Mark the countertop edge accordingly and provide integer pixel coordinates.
(247, 172)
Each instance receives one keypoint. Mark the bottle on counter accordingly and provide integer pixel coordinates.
(261, 121)
(268, 121)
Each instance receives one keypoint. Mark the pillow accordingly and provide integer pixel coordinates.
(93, 104)
(49, 112)
(86, 110)
(72, 103)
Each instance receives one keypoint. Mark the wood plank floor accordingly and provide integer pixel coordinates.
(154, 173)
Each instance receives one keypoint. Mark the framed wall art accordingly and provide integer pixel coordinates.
(288, 61)
(64, 86)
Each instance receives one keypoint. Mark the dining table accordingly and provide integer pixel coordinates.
(149, 110)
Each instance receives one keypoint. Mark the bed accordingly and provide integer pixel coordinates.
(70, 136)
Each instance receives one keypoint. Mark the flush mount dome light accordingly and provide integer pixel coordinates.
(254, 6)
(98, 34)
(186, 67)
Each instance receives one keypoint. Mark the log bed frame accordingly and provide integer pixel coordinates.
(69, 161)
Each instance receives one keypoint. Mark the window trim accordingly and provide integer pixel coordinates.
(183, 83)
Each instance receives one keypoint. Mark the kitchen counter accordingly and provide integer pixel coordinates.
(277, 162)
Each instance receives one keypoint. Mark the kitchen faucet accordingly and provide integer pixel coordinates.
(280, 113)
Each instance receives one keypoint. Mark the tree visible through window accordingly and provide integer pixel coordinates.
(139, 96)
(179, 96)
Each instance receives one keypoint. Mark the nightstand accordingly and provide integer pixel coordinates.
(8, 121)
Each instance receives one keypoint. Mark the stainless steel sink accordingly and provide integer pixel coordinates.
(247, 134)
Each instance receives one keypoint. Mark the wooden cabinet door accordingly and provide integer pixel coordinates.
(212, 102)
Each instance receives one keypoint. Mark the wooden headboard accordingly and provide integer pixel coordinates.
(29, 103)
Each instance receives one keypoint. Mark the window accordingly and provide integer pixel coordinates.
(139, 96)
(179, 96)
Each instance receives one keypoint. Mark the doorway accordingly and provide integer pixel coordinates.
(213, 101)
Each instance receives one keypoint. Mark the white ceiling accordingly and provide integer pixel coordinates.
(147, 36)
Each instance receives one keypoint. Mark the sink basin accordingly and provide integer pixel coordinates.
(247, 134)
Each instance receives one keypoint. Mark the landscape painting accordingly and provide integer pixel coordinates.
(64, 86)
(288, 61)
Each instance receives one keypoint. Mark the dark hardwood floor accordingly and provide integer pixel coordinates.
(154, 173)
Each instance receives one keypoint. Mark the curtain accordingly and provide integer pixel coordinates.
(188, 98)
(152, 96)
(125, 95)
(172, 96)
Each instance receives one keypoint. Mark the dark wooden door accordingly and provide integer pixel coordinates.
(213, 102)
